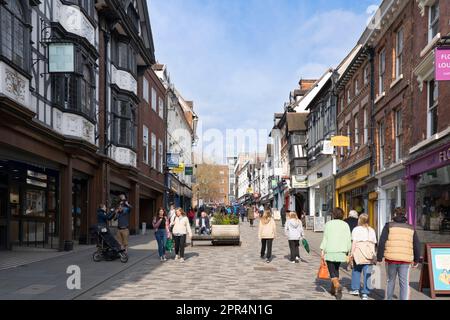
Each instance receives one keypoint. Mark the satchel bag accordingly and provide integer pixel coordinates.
(364, 253)
(323, 272)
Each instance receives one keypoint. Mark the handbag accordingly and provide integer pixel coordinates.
(169, 245)
(364, 252)
(305, 245)
(323, 272)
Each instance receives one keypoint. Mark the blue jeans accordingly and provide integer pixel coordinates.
(366, 270)
(403, 278)
(161, 238)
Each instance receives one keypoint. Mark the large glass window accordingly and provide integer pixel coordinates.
(15, 35)
(124, 123)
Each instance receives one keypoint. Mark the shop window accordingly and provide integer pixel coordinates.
(35, 206)
(15, 35)
(124, 123)
(433, 98)
(433, 21)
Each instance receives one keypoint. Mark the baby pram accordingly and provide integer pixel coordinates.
(107, 246)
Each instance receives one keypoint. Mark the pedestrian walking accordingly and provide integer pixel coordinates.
(191, 216)
(123, 217)
(162, 233)
(335, 248)
(352, 219)
(363, 256)
(400, 247)
(250, 215)
(242, 212)
(283, 216)
(267, 232)
(261, 210)
(181, 229)
(294, 231)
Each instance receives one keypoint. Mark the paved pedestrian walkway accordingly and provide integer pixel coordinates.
(222, 273)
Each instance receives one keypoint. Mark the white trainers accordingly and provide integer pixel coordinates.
(181, 259)
(354, 293)
(297, 258)
(365, 297)
(164, 258)
(161, 258)
(177, 257)
(293, 261)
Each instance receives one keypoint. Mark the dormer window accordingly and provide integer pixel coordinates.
(15, 35)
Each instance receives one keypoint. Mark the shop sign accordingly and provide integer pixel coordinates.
(61, 57)
(189, 171)
(299, 182)
(353, 176)
(444, 156)
(328, 147)
(340, 141)
(173, 160)
(179, 169)
(442, 65)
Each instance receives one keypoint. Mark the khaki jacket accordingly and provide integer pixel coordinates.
(268, 230)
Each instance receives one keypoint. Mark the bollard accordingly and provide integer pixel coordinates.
(144, 228)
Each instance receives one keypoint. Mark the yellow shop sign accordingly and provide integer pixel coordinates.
(340, 141)
(353, 176)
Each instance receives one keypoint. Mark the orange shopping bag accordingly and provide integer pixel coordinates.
(323, 273)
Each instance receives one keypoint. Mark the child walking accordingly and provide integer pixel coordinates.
(294, 231)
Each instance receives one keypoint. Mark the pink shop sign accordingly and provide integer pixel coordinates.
(442, 64)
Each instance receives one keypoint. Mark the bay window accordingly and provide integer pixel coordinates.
(75, 91)
(15, 35)
(124, 123)
(124, 56)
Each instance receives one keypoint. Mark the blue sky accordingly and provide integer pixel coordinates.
(239, 59)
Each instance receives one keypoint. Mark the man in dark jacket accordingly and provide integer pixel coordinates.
(123, 217)
(204, 224)
(352, 219)
(283, 216)
(102, 223)
(242, 212)
(399, 245)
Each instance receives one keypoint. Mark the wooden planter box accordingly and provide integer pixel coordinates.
(224, 234)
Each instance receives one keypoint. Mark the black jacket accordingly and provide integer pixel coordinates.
(206, 222)
(352, 223)
(385, 235)
(103, 217)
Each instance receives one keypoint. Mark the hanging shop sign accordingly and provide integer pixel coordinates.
(442, 65)
(299, 181)
(179, 169)
(435, 273)
(189, 171)
(340, 141)
(328, 147)
(173, 160)
(61, 58)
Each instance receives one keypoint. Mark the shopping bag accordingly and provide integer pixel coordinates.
(305, 245)
(169, 245)
(323, 273)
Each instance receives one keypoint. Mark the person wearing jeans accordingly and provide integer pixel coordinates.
(400, 248)
(363, 255)
(161, 226)
(266, 232)
(181, 228)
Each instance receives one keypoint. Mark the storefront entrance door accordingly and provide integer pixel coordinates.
(3, 218)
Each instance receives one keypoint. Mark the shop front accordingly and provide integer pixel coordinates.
(392, 194)
(352, 192)
(428, 195)
(321, 190)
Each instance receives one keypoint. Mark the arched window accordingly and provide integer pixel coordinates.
(15, 43)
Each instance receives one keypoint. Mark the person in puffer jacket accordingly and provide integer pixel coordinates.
(294, 231)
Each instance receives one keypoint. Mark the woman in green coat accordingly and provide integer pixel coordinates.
(336, 246)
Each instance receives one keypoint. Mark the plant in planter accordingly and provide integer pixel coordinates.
(225, 228)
